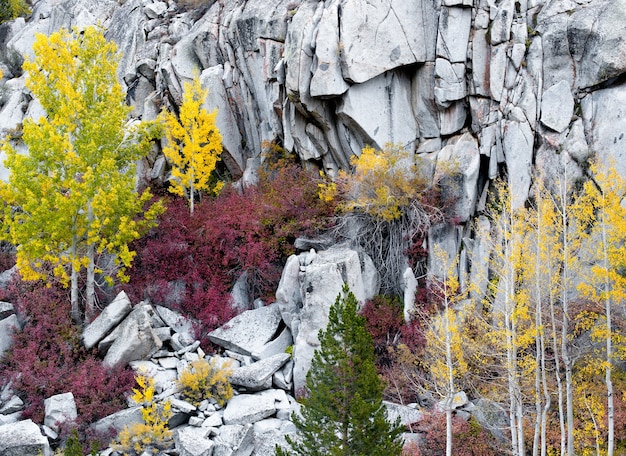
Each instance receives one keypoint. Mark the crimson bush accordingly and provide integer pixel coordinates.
(47, 358)
(191, 262)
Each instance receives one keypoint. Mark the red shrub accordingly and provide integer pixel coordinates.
(191, 262)
(47, 359)
(468, 437)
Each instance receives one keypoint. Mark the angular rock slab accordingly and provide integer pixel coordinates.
(249, 331)
(23, 439)
(235, 440)
(110, 317)
(557, 107)
(407, 415)
(258, 376)
(135, 341)
(323, 281)
(8, 326)
(250, 408)
(380, 35)
(59, 409)
(192, 441)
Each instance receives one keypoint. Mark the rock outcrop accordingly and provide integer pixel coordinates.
(491, 86)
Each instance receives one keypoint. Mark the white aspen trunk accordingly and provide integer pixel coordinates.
(90, 292)
(74, 301)
(609, 347)
(191, 193)
(450, 366)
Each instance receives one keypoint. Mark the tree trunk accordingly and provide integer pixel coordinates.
(74, 298)
(609, 345)
(90, 299)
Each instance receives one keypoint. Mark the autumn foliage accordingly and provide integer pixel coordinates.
(193, 144)
(48, 358)
(191, 261)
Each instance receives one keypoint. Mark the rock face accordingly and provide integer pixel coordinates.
(490, 86)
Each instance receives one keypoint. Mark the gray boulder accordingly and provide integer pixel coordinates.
(135, 340)
(59, 409)
(557, 107)
(23, 439)
(234, 440)
(193, 441)
(110, 317)
(258, 376)
(323, 280)
(249, 408)
(249, 331)
(8, 326)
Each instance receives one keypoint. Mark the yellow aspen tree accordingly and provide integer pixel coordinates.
(603, 197)
(542, 279)
(446, 359)
(194, 144)
(512, 330)
(74, 194)
(572, 236)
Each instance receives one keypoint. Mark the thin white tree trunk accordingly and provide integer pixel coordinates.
(90, 292)
(74, 301)
(609, 346)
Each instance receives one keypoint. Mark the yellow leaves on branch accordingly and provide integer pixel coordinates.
(194, 144)
(153, 433)
(383, 184)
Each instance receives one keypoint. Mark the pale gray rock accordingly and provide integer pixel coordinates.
(457, 170)
(453, 34)
(557, 106)
(59, 409)
(392, 121)
(423, 101)
(8, 327)
(154, 10)
(288, 294)
(557, 61)
(323, 281)
(10, 418)
(114, 423)
(239, 293)
(179, 323)
(249, 408)
(449, 82)
(518, 140)
(135, 340)
(265, 444)
(218, 98)
(407, 415)
(6, 309)
(249, 331)
(445, 240)
(370, 276)
(6, 276)
(23, 439)
(604, 113)
(452, 119)
(497, 70)
(14, 404)
(480, 255)
(576, 143)
(213, 420)
(193, 441)
(327, 80)
(501, 24)
(110, 317)
(378, 36)
(276, 346)
(234, 440)
(595, 33)
(458, 400)
(491, 416)
(258, 376)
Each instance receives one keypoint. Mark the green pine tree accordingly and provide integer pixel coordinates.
(343, 413)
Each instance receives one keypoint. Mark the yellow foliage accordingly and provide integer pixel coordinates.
(194, 144)
(383, 184)
(153, 433)
(206, 379)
